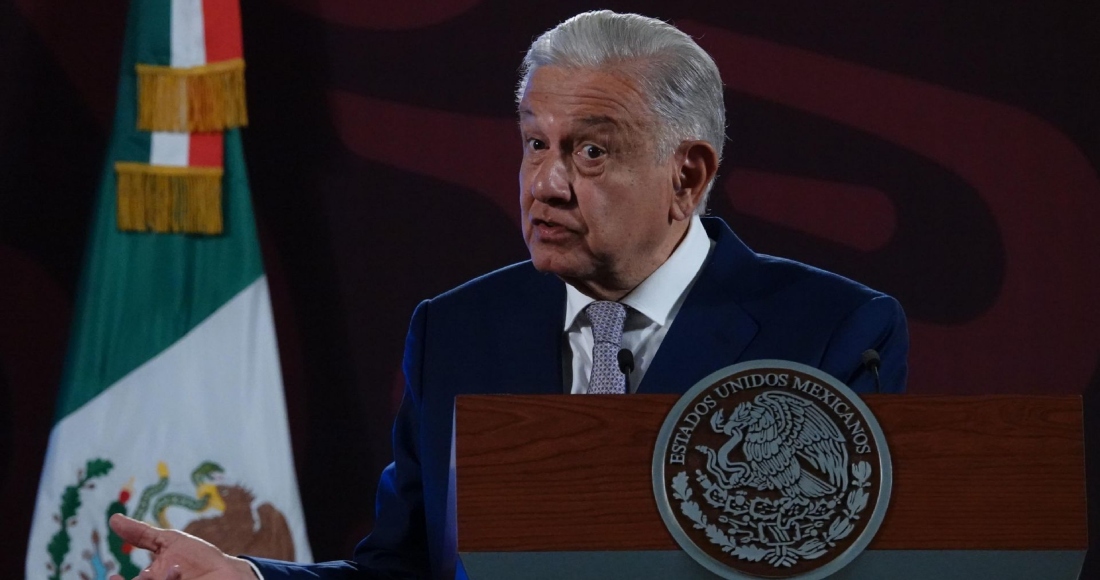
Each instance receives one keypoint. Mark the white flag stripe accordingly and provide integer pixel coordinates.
(161, 412)
(173, 149)
(188, 34)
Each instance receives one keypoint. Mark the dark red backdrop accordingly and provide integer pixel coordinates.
(946, 154)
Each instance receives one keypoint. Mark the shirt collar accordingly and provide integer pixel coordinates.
(655, 297)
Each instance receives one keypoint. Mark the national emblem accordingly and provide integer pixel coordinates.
(777, 487)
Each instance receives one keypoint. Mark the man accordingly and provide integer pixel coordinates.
(622, 123)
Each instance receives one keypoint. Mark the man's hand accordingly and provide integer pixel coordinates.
(178, 556)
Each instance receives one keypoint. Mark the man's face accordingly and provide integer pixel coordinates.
(596, 198)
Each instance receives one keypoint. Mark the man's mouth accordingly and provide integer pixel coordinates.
(549, 230)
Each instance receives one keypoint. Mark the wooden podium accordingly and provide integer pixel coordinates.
(561, 487)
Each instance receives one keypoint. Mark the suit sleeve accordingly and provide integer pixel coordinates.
(398, 546)
(879, 324)
(399, 543)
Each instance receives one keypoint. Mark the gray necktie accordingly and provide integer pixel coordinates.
(607, 337)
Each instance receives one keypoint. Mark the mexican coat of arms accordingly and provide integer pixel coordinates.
(771, 469)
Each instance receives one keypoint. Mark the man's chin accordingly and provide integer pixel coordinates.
(556, 264)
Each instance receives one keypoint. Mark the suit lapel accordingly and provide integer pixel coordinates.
(712, 329)
(531, 339)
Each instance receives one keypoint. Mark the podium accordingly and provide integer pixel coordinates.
(561, 487)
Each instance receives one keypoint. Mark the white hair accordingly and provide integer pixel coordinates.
(677, 77)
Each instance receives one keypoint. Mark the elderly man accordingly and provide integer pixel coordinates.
(622, 123)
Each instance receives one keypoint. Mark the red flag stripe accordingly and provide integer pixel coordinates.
(222, 23)
(206, 149)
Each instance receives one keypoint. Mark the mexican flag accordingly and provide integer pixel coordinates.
(171, 404)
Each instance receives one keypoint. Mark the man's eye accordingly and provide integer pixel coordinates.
(536, 144)
(592, 152)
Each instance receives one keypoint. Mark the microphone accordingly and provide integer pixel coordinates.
(626, 361)
(870, 360)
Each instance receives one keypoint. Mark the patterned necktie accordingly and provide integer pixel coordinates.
(607, 338)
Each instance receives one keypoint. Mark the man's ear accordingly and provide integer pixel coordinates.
(697, 162)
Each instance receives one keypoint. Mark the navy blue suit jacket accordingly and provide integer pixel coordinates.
(502, 333)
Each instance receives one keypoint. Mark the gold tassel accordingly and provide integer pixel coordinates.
(201, 99)
(167, 199)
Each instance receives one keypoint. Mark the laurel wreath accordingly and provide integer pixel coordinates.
(59, 544)
(781, 556)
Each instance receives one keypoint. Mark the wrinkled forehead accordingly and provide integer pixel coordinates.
(609, 96)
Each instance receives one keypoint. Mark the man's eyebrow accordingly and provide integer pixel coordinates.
(595, 120)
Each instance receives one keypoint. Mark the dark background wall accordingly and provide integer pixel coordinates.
(943, 152)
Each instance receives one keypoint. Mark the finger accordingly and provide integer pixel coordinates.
(174, 573)
(139, 534)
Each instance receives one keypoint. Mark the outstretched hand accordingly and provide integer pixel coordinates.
(178, 556)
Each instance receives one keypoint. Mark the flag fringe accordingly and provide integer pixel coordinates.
(200, 99)
(164, 199)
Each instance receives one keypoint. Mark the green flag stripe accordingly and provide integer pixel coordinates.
(127, 143)
(154, 35)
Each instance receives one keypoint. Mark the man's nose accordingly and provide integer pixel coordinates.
(552, 184)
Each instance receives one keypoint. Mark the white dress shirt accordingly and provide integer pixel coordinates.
(651, 308)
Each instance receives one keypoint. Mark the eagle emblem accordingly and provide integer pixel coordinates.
(769, 470)
(212, 508)
(777, 433)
